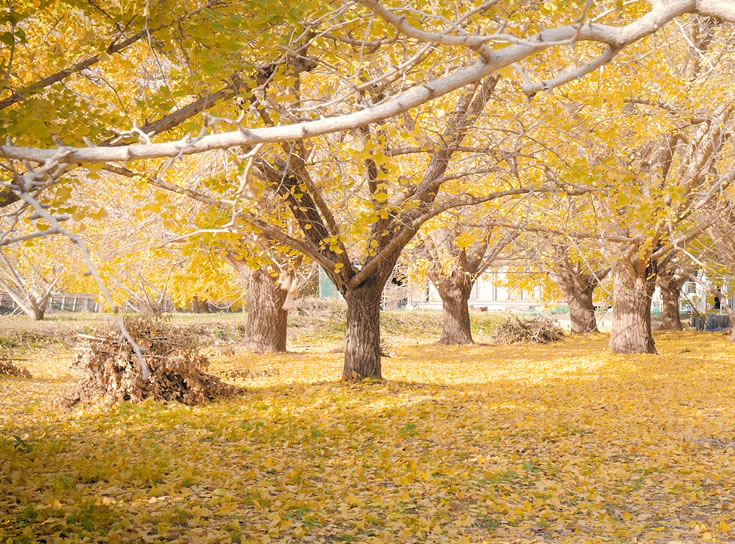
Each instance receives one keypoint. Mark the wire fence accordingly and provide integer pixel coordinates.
(87, 303)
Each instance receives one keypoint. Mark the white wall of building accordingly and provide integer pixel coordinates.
(486, 293)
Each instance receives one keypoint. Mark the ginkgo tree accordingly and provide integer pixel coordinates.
(453, 252)
(576, 269)
(673, 271)
(268, 272)
(391, 68)
(30, 272)
(660, 153)
(711, 258)
(132, 239)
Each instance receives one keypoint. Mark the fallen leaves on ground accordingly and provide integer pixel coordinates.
(555, 443)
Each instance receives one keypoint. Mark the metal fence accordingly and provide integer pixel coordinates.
(72, 302)
(56, 304)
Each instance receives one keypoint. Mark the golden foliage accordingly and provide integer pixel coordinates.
(555, 443)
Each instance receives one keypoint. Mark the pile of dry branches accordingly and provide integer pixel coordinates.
(9, 368)
(537, 330)
(112, 370)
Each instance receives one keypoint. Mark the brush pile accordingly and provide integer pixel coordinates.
(9, 368)
(537, 330)
(111, 368)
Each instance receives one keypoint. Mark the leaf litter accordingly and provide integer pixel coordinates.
(561, 442)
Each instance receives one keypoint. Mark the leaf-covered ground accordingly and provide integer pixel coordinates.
(556, 443)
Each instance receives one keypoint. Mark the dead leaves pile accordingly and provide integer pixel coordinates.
(556, 443)
(112, 370)
(536, 330)
(9, 368)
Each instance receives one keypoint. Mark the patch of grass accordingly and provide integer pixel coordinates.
(63, 482)
(8, 342)
(503, 477)
(487, 522)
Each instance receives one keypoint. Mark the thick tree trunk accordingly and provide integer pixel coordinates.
(670, 319)
(631, 325)
(455, 294)
(581, 310)
(199, 306)
(266, 324)
(36, 313)
(362, 339)
(456, 321)
(670, 283)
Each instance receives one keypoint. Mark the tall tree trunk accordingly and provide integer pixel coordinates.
(455, 294)
(670, 319)
(266, 324)
(578, 285)
(581, 308)
(362, 339)
(631, 324)
(670, 283)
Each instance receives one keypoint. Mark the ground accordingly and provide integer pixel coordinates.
(556, 443)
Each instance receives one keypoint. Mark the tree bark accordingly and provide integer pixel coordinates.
(456, 321)
(670, 319)
(581, 309)
(36, 313)
(670, 283)
(362, 339)
(266, 323)
(631, 325)
(455, 294)
(578, 284)
(731, 315)
(199, 306)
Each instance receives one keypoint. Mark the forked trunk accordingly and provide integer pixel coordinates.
(670, 319)
(631, 324)
(362, 339)
(581, 310)
(455, 294)
(199, 306)
(266, 324)
(36, 313)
